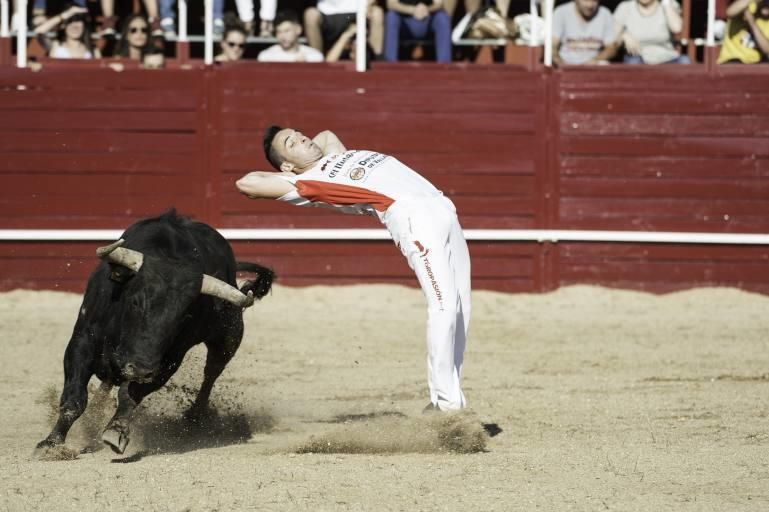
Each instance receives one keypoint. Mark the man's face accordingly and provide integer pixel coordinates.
(287, 34)
(587, 8)
(296, 149)
(233, 46)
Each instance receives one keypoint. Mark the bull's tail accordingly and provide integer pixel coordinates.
(263, 282)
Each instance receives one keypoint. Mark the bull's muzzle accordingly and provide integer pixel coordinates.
(136, 373)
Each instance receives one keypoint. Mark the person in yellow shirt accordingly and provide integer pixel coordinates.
(747, 33)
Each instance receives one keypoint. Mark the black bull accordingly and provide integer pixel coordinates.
(167, 286)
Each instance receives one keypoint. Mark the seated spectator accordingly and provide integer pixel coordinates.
(267, 10)
(134, 38)
(73, 39)
(345, 47)
(583, 33)
(153, 58)
(168, 18)
(746, 39)
(646, 28)
(232, 45)
(108, 10)
(416, 19)
(326, 23)
(288, 49)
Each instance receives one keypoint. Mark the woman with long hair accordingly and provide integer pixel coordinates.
(134, 37)
(73, 39)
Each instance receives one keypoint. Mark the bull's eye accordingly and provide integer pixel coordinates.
(115, 276)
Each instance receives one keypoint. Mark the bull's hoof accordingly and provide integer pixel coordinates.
(51, 451)
(115, 439)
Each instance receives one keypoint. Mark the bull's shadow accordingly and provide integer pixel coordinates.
(167, 433)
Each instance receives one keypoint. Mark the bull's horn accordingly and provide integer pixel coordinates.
(217, 288)
(121, 256)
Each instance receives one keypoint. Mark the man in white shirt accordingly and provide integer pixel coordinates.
(421, 220)
(583, 33)
(287, 32)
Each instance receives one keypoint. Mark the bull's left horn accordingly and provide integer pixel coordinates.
(217, 288)
(121, 256)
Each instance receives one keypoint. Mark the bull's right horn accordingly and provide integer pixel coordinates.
(218, 288)
(121, 256)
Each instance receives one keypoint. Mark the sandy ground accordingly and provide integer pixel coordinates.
(608, 400)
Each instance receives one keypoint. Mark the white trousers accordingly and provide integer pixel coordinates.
(428, 234)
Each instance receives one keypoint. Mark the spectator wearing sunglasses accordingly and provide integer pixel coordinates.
(134, 37)
(73, 40)
(287, 32)
(232, 45)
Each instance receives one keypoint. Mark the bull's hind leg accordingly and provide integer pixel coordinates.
(220, 349)
(74, 396)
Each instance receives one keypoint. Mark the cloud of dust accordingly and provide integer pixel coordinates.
(460, 432)
(160, 424)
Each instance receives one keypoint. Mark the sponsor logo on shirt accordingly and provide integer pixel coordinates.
(357, 173)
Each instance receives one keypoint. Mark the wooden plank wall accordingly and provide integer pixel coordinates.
(664, 150)
(621, 148)
(90, 148)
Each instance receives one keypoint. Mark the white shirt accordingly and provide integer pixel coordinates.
(276, 53)
(60, 51)
(329, 7)
(358, 182)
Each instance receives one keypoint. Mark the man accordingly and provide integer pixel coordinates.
(287, 31)
(747, 33)
(325, 23)
(421, 220)
(583, 33)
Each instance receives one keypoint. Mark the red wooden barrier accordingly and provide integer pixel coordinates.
(669, 148)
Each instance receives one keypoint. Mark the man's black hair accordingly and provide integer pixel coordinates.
(269, 151)
(286, 15)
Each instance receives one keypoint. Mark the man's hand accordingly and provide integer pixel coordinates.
(421, 11)
(632, 46)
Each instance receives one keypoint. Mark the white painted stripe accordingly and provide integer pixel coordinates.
(536, 235)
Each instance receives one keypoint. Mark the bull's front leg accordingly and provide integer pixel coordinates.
(78, 359)
(116, 433)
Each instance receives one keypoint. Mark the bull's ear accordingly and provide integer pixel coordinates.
(217, 288)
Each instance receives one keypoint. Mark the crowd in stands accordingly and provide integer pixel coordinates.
(584, 31)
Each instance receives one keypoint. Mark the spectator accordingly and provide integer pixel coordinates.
(153, 58)
(232, 45)
(646, 28)
(267, 10)
(417, 19)
(168, 18)
(134, 37)
(583, 33)
(746, 40)
(73, 39)
(108, 24)
(287, 31)
(325, 23)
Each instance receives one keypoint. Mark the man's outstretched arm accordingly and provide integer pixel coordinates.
(264, 185)
(329, 142)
